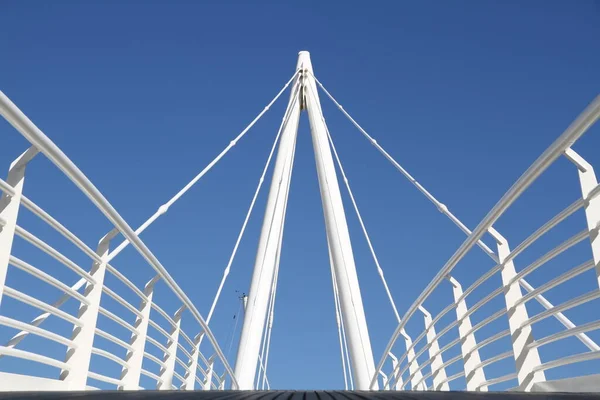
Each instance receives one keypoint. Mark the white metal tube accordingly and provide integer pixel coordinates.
(264, 267)
(361, 354)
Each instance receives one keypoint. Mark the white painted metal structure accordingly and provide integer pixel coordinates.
(304, 96)
(441, 350)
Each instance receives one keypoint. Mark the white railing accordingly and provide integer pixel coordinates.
(109, 318)
(508, 347)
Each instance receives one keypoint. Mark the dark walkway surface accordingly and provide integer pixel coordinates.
(297, 395)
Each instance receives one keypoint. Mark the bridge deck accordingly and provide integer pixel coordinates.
(298, 395)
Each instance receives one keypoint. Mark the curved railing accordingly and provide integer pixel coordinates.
(519, 336)
(105, 319)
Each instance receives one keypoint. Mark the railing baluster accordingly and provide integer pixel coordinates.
(588, 182)
(385, 381)
(396, 370)
(474, 376)
(526, 359)
(222, 384)
(413, 365)
(190, 374)
(130, 377)
(166, 372)
(78, 357)
(209, 372)
(9, 210)
(438, 372)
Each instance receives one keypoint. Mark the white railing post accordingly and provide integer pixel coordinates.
(130, 375)
(190, 375)
(396, 370)
(222, 384)
(385, 381)
(474, 376)
(78, 357)
(526, 359)
(438, 372)
(413, 365)
(209, 373)
(9, 210)
(588, 182)
(166, 372)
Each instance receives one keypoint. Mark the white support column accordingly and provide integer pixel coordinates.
(588, 181)
(166, 372)
(474, 377)
(9, 210)
(526, 359)
(130, 377)
(266, 256)
(190, 376)
(361, 354)
(78, 357)
(385, 381)
(439, 373)
(413, 366)
(222, 384)
(396, 370)
(209, 373)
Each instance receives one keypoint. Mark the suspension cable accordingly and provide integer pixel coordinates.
(16, 339)
(165, 207)
(364, 229)
(248, 214)
(444, 210)
(261, 366)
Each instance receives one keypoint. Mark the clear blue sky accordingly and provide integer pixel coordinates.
(142, 95)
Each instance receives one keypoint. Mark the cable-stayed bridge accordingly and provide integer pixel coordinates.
(436, 345)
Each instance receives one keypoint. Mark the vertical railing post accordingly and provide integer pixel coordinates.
(396, 370)
(588, 182)
(438, 372)
(413, 365)
(384, 380)
(474, 376)
(9, 210)
(166, 372)
(190, 375)
(78, 357)
(130, 376)
(209, 373)
(526, 358)
(222, 384)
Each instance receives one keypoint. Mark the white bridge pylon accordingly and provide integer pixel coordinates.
(304, 97)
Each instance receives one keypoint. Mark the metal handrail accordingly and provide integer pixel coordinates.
(588, 117)
(38, 139)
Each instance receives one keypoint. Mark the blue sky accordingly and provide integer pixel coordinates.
(142, 95)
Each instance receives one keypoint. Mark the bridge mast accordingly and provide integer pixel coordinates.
(270, 237)
(305, 96)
